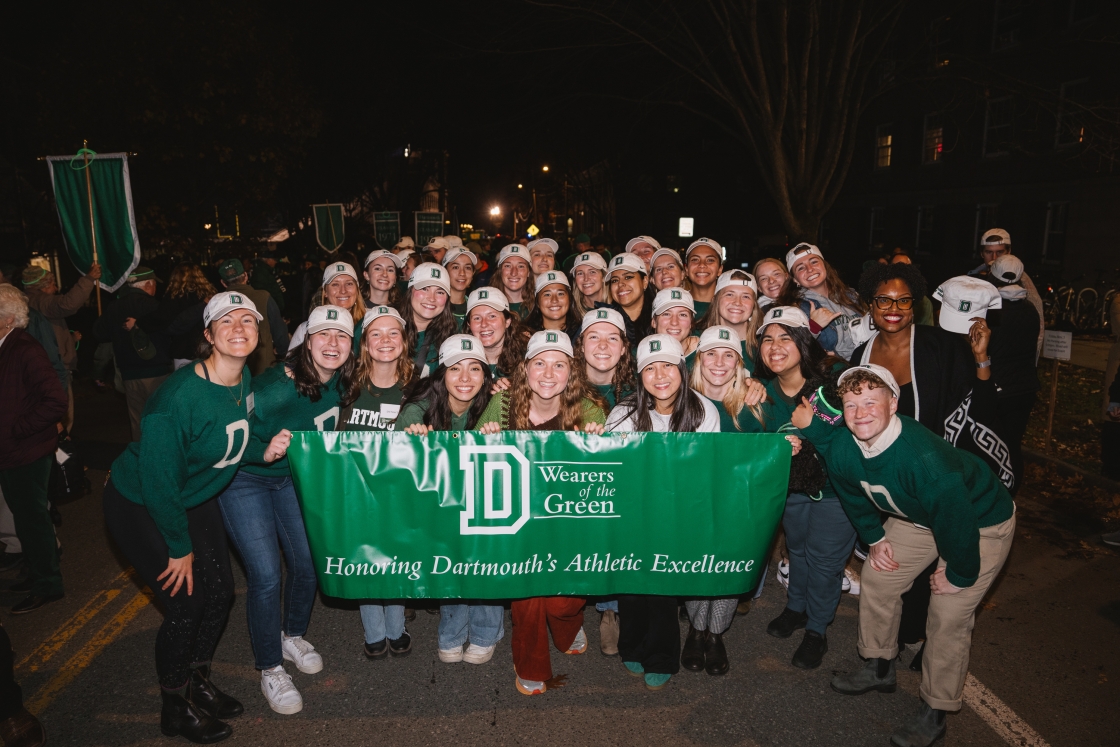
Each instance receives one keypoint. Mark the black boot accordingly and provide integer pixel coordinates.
(715, 655)
(206, 695)
(181, 718)
(922, 730)
(692, 654)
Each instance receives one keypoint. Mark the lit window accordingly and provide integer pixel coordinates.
(883, 146)
(933, 140)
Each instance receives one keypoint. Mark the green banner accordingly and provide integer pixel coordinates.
(330, 228)
(428, 226)
(105, 178)
(387, 229)
(525, 513)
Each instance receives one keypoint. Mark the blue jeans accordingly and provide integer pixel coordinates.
(262, 516)
(819, 538)
(482, 624)
(609, 604)
(381, 621)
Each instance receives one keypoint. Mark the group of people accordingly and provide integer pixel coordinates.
(899, 429)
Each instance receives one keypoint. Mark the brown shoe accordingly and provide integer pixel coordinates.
(22, 730)
(608, 633)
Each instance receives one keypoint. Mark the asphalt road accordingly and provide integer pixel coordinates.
(1046, 646)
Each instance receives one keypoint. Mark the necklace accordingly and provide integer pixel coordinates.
(240, 388)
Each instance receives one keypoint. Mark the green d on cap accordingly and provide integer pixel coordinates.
(231, 269)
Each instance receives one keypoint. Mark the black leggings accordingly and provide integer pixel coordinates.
(192, 624)
(649, 632)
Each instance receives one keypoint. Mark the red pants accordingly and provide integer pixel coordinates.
(532, 619)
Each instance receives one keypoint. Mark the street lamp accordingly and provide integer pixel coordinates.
(495, 211)
(544, 168)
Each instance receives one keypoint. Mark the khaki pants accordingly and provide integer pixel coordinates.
(136, 393)
(951, 616)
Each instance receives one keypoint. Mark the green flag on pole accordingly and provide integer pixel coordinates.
(428, 226)
(330, 229)
(387, 227)
(114, 239)
(523, 513)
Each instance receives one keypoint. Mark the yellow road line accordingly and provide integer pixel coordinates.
(70, 671)
(71, 627)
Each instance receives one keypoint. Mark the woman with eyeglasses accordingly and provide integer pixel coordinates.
(704, 262)
(666, 269)
(940, 385)
(815, 287)
(511, 276)
(589, 282)
(461, 265)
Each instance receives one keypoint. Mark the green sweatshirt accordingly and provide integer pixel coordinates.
(498, 412)
(747, 423)
(194, 436)
(376, 409)
(459, 311)
(413, 414)
(277, 405)
(921, 478)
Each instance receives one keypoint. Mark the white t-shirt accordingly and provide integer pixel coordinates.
(620, 420)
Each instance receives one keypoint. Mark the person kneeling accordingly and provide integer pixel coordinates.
(944, 503)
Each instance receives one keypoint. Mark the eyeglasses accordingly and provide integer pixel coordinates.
(885, 302)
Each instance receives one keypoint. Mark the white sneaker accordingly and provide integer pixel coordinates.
(850, 583)
(479, 654)
(282, 695)
(579, 645)
(301, 653)
(451, 655)
(783, 573)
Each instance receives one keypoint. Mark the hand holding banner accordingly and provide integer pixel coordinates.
(526, 513)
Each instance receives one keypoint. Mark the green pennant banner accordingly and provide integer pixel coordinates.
(525, 513)
(330, 227)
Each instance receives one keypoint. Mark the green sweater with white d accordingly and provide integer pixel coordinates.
(278, 405)
(921, 478)
(194, 434)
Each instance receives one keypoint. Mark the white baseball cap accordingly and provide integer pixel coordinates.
(995, 236)
(737, 278)
(223, 303)
(628, 262)
(438, 242)
(334, 269)
(459, 348)
(787, 316)
(548, 339)
(405, 253)
(710, 243)
(405, 242)
(720, 337)
(551, 277)
(802, 250)
(590, 258)
(427, 274)
(487, 296)
(881, 373)
(376, 312)
(642, 240)
(659, 348)
(671, 298)
(512, 250)
(453, 241)
(458, 251)
(610, 316)
(549, 243)
(665, 253)
(379, 253)
(330, 317)
(964, 298)
(1007, 268)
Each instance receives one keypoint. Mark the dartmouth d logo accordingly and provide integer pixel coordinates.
(584, 257)
(436, 273)
(600, 314)
(340, 268)
(382, 309)
(776, 314)
(487, 513)
(551, 337)
(675, 295)
(654, 346)
(965, 306)
(467, 345)
(332, 314)
(724, 334)
(551, 276)
(234, 298)
(483, 294)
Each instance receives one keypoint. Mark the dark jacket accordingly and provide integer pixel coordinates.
(265, 278)
(1012, 349)
(273, 332)
(32, 401)
(56, 309)
(178, 319)
(109, 327)
(949, 399)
